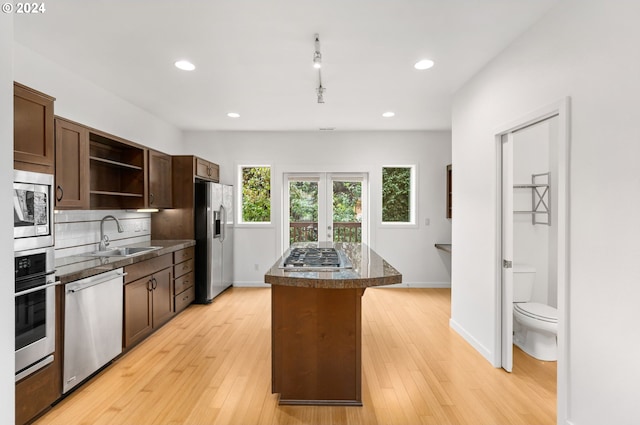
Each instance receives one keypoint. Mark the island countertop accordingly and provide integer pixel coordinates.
(369, 269)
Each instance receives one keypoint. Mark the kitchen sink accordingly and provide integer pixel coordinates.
(123, 252)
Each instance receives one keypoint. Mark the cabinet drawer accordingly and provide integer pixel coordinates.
(145, 268)
(183, 268)
(183, 282)
(182, 300)
(183, 255)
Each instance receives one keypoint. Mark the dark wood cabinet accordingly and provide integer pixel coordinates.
(148, 298)
(449, 190)
(178, 223)
(160, 181)
(71, 165)
(33, 130)
(207, 170)
(184, 278)
(117, 172)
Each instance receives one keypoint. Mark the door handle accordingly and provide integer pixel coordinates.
(507, 264)
(59, 189)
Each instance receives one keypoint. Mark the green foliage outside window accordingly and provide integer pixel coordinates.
(256, 194)
(396, 194)
(346, 202)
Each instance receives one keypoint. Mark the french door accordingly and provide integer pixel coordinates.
(325, 207)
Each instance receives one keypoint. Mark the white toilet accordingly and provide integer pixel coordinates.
(535, 325)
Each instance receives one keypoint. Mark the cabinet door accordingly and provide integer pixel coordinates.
(32, 130)
(137, 310)
(159, 180)
(72, 165)
(203, 168)
(162, 297)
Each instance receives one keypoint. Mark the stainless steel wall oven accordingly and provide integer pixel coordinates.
(34, 310)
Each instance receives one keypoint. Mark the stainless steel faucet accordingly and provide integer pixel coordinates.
(104, 239)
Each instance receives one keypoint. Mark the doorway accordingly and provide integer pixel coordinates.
(325, 207)
(533, 225)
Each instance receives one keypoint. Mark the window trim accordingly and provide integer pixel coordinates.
(413, 198)
(239, 221)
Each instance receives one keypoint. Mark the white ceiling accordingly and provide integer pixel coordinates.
(254, 57)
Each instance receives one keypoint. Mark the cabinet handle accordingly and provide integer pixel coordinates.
(150, 285)
(59, 189)
(155, 283)
(151, 198)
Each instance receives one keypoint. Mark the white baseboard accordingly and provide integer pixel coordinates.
(484, 351)
(419, 285)
(251, 285)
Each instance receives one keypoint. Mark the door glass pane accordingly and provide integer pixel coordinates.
(347, 211)
(303, 211)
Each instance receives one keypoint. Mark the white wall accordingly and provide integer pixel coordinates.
(587, 50)
(80, 100)
(410, 250)
(7, 304)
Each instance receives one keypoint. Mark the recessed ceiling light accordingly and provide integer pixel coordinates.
(388, 114)
(185, 65)
(233, 115)
(424, 64)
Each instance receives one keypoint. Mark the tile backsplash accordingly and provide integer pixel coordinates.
(78, 231)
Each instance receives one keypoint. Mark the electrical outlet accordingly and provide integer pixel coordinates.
(256, 267)
(427, 221)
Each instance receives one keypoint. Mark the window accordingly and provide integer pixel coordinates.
(255, 194)
(398, 194)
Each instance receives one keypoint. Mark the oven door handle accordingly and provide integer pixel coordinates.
(38, 288)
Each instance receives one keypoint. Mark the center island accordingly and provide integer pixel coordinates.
(316, 326)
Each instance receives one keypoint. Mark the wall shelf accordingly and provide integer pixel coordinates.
(540, 198)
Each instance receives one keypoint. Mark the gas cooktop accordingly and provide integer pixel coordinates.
(315, 259)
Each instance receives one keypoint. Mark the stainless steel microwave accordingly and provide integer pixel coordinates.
(32, 210)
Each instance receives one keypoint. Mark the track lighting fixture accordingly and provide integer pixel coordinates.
(317, 56)
(317, 64)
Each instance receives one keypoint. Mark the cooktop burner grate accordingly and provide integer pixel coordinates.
(315, 258)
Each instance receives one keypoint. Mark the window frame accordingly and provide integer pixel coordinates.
(239, 216)
(413, 198)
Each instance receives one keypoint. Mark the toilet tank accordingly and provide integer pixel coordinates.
(524, 275)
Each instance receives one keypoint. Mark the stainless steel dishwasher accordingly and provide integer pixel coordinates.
(92, 325)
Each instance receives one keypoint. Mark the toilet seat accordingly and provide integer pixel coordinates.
(537, 311)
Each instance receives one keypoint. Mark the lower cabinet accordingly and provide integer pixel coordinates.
(184, 290)
(148, 298)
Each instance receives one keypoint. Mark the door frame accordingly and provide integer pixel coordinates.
(325, 192)
(562, 109)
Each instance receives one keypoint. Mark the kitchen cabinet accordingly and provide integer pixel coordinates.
(178, 223)
(159, 180)
(71, 165)
(37, 392)
(207, 170)
(117, 172)
(33, 130)
(184, 278)
(148, 297)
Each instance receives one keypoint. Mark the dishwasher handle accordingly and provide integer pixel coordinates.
(81, 287)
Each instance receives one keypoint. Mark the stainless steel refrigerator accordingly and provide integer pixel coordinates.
(214, 240)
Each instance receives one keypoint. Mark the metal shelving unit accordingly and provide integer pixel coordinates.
(540, 198)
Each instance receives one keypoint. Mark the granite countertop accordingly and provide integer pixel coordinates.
(69, 269)
(369, 269)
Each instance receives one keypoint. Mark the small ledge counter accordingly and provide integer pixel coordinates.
(316, 327)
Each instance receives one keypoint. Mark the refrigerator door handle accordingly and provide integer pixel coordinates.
(223, 223)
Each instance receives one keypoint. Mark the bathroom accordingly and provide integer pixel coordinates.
(535, 237)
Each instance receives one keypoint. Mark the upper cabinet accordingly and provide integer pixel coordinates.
(72, 165)
(33, 130)
(117, 171)
(207, 170)
(159, 180)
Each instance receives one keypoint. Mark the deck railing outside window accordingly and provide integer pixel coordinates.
(308, 232)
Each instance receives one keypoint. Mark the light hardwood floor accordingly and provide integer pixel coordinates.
(211, 365)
